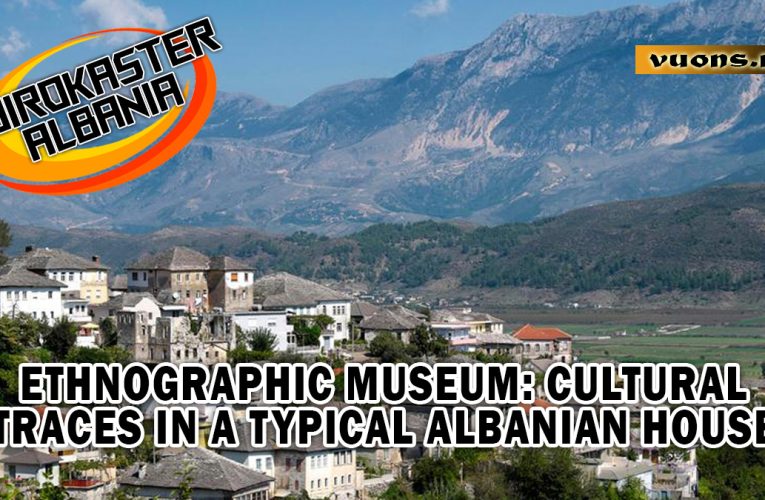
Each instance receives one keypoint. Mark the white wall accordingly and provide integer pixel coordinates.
(275, 321)
(340, 312)
(243, 279)
(37, 302)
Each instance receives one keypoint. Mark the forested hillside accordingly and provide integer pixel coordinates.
(709, 240)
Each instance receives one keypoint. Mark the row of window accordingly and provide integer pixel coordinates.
(339, 480)
(65, 276)
(336, 310)
(23, 295)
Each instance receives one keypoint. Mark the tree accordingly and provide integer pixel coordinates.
(60, 339)
(632, 489)
(109, 333)
(430, 474)
(94, 355)
(388, 348)
(260, 340)
(548, 474)
(184, 491)
(426, 342)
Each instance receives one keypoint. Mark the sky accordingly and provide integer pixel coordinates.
(285, 50)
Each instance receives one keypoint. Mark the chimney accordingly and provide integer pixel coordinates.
(29, 248)
(96, 259)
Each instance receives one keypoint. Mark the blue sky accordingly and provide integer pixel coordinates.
(284, 50)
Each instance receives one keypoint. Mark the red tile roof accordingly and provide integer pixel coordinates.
(530, 332)
(541, 403)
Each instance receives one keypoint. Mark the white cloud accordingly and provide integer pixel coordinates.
(105, 14)
(12, 43)
(431, 8)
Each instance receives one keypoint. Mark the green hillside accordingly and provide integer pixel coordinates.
(709, 240)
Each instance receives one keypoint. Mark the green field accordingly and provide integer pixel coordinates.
(742, 345)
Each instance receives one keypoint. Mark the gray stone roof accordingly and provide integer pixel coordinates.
(541, 364)
(173, 259)
(209, 471)
(391, 319)
(129, 299)
(458, 316)
(18, 277)
(496, 339)
(44, 259)
(119, 282)
(223, 263)
(362, 309)
(30, 457)
(618, 472)
(284, 290)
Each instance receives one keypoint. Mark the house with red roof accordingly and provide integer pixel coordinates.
(545, 342)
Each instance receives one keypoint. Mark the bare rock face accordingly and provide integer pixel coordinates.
(543, 116)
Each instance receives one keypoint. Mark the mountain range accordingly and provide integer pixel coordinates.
(543, 116)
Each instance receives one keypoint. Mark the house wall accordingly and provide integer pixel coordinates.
(559, 350)
(232, 291)
(274, 321)
(322, 473)
(94, 286)
(33, 472)
(262, 461)
(37, 302)
(340, 312)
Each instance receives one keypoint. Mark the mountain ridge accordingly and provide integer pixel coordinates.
(703, 247)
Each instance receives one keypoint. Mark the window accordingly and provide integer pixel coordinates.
(269, 463)
(188, 277)
(339, 327)
(288, 463)
(135, 276)
(234, 277)
(312, 482)
(326, 482)
(259, 464)
(71, 276)
(349, 479)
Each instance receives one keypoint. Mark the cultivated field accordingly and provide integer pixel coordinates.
(708, 336)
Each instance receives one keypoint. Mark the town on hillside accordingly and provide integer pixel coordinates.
(181, 306)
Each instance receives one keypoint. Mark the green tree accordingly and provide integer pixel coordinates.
(184, 491)
(260, 340)
(109, 333)
(430, 474)
(632, 489)
(388, 348)
(60, 339)
(426, 342)
(548, 474)
(94, 355)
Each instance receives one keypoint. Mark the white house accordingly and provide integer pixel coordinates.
(274, 321)
(474, 322)
(23, 291)
(283, 291)
(30, 465)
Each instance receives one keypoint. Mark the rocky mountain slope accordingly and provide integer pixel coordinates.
(543, 116)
